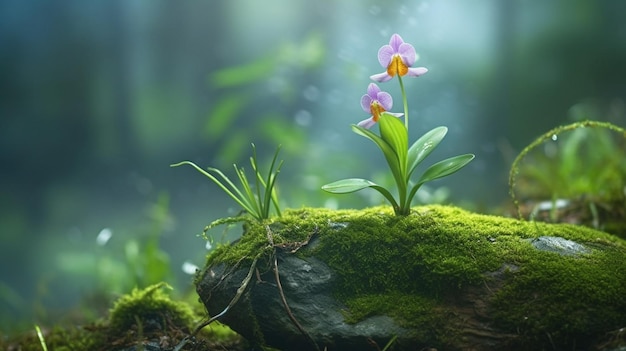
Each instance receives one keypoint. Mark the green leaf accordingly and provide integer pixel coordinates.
(244, 74)
(351, 185)
(424, 146)
(390, 155)
(224, 114)
(393, 131)
(445, 167)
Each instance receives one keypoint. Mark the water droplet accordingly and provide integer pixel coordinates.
(311, 93)
(189, 268)
(554, 137)
(276, 85)
(303, 118)
(104, 236)
(335, 97)
(385, 32)
(208, 245)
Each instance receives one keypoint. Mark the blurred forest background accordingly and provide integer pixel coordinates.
(98, 98)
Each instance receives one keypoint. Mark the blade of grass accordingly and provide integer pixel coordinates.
(41, 338)
(250, 196)
(216, 181)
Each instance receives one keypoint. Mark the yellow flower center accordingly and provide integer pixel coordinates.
(396, 66)
(376, 109)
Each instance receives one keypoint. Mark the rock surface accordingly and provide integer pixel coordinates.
(444, 279)
(308, 286)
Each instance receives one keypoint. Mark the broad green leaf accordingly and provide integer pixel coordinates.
(445, 167)
(390, 155)
(423, 147)
(349, 185)
(393, 131)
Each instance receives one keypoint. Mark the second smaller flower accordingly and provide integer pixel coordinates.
(376, 102)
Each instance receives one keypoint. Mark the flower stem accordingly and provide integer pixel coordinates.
(405, 103)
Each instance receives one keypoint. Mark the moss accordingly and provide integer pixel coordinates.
(57, 339)
(416, 312)
(431, 255)
(141, 317)
(571, 296)
(149, 309)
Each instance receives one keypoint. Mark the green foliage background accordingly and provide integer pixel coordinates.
(97, 99)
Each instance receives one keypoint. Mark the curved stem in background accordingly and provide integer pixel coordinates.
(548, 135)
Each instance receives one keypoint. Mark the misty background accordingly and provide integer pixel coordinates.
(98, 98)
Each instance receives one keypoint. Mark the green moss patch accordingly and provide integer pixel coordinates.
(143, 318)
(149, 309)
(426, 259)
(416, 311)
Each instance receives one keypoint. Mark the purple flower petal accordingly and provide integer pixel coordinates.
(408, 54)
(366, 123)
(381, 77)
(366, 101)
(385, 100)
(417, 71)
(385, 53)
(395, 42)
(373, 90)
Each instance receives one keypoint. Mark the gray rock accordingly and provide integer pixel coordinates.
(442, 279)
(559, 245)
(307, 284)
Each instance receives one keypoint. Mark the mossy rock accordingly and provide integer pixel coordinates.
(148, 315)
(440, 277)
(144, 319)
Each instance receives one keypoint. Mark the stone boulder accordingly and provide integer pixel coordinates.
(440, 278)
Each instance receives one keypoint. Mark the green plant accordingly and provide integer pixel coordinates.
(120, 259)
(573, 173)
(257, 200)
(397, 58)
(586, 163)
(41, 338)
(241, 94)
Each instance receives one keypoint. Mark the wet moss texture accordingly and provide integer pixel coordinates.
(413, 268)
(146, 319)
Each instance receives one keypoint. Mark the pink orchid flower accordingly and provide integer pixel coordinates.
(376, 102)
(397, 58)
